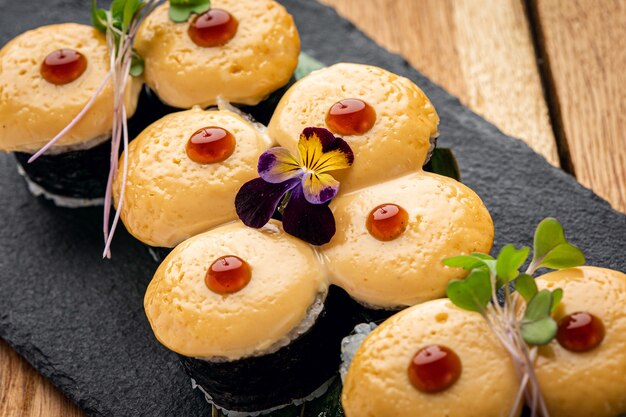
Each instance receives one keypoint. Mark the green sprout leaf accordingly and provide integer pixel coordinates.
(180, 10)
(306, 65)
(509, 262)
(538, 327)
(473, 261)
(551, 249)
(137, 65)
(131, 7)
(473, 293)
(443, 162)
(563, 256)
(526, 286)
(539, 332)
(557, 296)
(98, 17)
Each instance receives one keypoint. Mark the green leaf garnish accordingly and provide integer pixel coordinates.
(552, 250)
(473, 261)
(539, 332)
(539, 306)
(563, 256)
(131, 7)
(443, 162)
(120, 17)
(306, 65)
(473, 293)
(509, 262)
(180, 10)
(557, 296)
(538, 327)
(526, 286)
(98, 17)
(137, 65)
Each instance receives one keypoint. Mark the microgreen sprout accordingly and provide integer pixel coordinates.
(520, 330)
(180, 10)
(120, 24)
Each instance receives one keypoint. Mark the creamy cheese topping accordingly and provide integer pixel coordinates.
(192, 320)
(258, 60)
(33, 111)
(445, 218)
(396, 145)
(378, 383)
(169, 197)
(592, 383)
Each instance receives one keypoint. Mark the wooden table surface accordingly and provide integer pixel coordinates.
(549, 72)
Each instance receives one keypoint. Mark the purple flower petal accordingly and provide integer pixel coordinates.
(319, 188)
(257, 200)
(313, 223)
(277, 165)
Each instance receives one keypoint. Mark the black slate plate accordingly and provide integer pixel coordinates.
(79, 320)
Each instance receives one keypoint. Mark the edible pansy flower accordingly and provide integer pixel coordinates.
(302, 186)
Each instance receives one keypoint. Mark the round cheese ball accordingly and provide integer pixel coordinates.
(33, 110)
(169, 197)
(260, 58)
(445, 218)
(397, 144)
(592, 383)
(378, 382)
(190, 319)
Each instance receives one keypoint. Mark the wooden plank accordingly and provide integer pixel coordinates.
(479, 50)
(25, 393)
(583, 44)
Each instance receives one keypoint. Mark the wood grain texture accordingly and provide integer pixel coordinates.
(25, 393)
(479, 50)
(583, 43)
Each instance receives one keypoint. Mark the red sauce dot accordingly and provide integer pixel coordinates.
(227, 275)
(213, 28)
(210, 145)
(63, 66)
(434, 368)
(387, 221)
(580, 332)
(350, 116)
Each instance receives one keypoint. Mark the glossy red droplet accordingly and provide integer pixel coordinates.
(350, 116)
(387, 221)
(228, 274)
(213, 28)
(63, 66)
(580, 332)
(210, 145)
(434, 368)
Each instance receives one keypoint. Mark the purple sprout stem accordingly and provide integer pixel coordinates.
(74, 121)
(503, 322)
(123, 59)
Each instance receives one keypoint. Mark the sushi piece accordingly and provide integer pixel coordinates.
(47, 76)
(386, 119)
(250, 313)
(391, 238)
(582, 372)
(433, 360)
(184, 171)
(239, 50)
